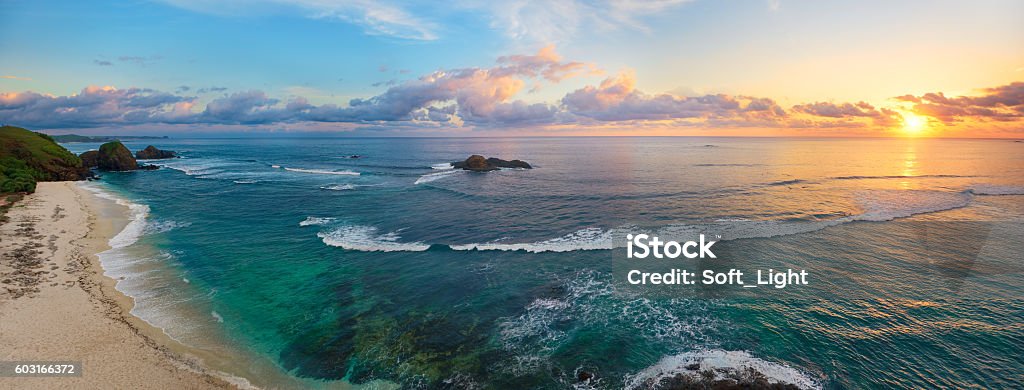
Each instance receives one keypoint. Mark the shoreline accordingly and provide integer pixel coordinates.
(57, 304)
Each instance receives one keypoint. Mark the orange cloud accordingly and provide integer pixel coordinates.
(1004, 104)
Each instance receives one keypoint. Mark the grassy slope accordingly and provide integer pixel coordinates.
(27, 157)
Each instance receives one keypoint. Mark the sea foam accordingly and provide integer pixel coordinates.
(346, 187)
(194, 166)
(315, 221)
(584, 239)
(368, 239)
(338, 187)
(590, 297)
(137, 218)
(877, 206)
(442, 166)
(722, 365)
(437, 175)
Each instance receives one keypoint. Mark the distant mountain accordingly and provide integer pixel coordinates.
(68, 138)
(27, 157)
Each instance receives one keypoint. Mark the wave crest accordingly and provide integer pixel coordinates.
(367, 239)
(585, 239)
(877, 206)
(438, 175)
(315, 221)
(442, 166)
(136, 226)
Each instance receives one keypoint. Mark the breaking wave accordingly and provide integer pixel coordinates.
(315, 221)
(877, 206)
(345, 187)
(709, 366)
(136, 226)
(194, 166)
(442, 166)
(438, 175)
(368, 239)
(585, 239)
(339, 187)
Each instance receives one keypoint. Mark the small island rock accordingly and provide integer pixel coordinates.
(114, 156)
(479, 163)
(152, 153)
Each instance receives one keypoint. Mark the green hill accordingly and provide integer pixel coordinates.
(27, 157)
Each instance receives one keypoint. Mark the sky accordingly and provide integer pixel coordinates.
(511, 68)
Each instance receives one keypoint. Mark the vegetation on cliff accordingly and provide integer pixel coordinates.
(90, 159)
(114, 156)
(27, 157)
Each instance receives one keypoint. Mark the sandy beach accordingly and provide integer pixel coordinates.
(56, 305)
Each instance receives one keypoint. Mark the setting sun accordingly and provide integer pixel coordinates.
(913, 124)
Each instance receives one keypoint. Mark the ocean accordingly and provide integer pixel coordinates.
(291, 264)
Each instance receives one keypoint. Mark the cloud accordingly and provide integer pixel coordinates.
(10, 77)
(93, 106)
(617, 99)
(454, 97)
(1003, 103)
(139, 60)
(210, 90)
(103, 62)
(559, 21)
(249, 107)
(492, 98)
(530, 21)
(475, 95)
(375, 17)
(548, 64)
(880, 116)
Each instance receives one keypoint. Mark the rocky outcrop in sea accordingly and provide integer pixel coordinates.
(152, 153)
(114, 156)
(479, 163)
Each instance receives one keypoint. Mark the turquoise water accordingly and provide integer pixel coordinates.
(390, 268)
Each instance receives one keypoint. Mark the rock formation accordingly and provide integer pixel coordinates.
(478, 163)
(90, 159)
(152, 153)
(114, 156)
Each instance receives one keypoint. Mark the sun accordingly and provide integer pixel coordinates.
(914, 124)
